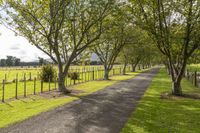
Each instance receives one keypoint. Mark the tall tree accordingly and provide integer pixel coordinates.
(113, 40)
(62, 29)
(3, 62)
(175, 27)
(140, 50)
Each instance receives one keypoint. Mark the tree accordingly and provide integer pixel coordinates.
(113, 40)
(62, 29)
(3, 62)
(42, 61)
(10, 60)
(140, 50)
(175, 27)
(16, 62)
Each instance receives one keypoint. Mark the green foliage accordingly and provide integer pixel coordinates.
(48, 73)
(74, 75)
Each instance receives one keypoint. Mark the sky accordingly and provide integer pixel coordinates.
(17, 46)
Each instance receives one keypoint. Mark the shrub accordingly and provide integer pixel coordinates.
(73, 75)
(48, 72)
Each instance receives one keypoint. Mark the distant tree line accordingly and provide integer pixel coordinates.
(11, 61)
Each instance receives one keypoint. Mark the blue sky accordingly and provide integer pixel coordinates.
(17, 46)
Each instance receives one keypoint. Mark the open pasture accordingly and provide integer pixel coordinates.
(19, 82)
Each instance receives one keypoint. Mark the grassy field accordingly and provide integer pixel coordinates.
(10, 73)
(174, 115)
(86, 74)
(194, 67)
(22, 109)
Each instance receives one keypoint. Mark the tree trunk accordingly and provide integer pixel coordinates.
(139, 67)
(61, 83)
(133, 67)
(168, 69)
(143, 66)
(124, 69)
(106, 74)
(176, 88)
(177, 78)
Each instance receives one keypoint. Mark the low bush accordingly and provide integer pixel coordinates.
(48, 73)
(73, 75)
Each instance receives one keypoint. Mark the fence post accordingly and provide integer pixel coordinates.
(16, 87)
(93, 74)
(195, 78)
(55, 83)
(34, 91)
(30, 76)
(85, 76)
(49, 83)
(187, 72)
(41, 86)
(24, 85)
(3, 90)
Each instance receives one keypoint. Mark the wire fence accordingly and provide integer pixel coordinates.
(28, 84)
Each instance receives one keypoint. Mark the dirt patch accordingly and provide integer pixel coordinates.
(56, 93)
(167, 95)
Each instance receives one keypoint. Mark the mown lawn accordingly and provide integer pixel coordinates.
(174, 115)
(19, 110)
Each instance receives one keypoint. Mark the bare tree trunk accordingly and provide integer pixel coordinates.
(177, 78)
(139, 67)
(61, 81)
(124, 69)
(106, 74)
(176, 88)
(133, 67)
(143, 67)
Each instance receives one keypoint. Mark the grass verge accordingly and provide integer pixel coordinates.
(19, 110)
(156, 115)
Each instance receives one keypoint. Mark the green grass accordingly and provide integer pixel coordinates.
(19, 110)
(10, 73)
(194, 67)
(156, 115)
(10, 88)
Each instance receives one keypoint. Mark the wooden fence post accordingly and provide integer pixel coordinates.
(93, 74)
(55, 83)
(41, 86)
(195, 78)
(85, 76)
(49, 83)
(34, 91)
(30, 76)
(24, 85)
(16, 87)
(3, 90)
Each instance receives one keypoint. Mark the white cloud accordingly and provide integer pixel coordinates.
(17, 46)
